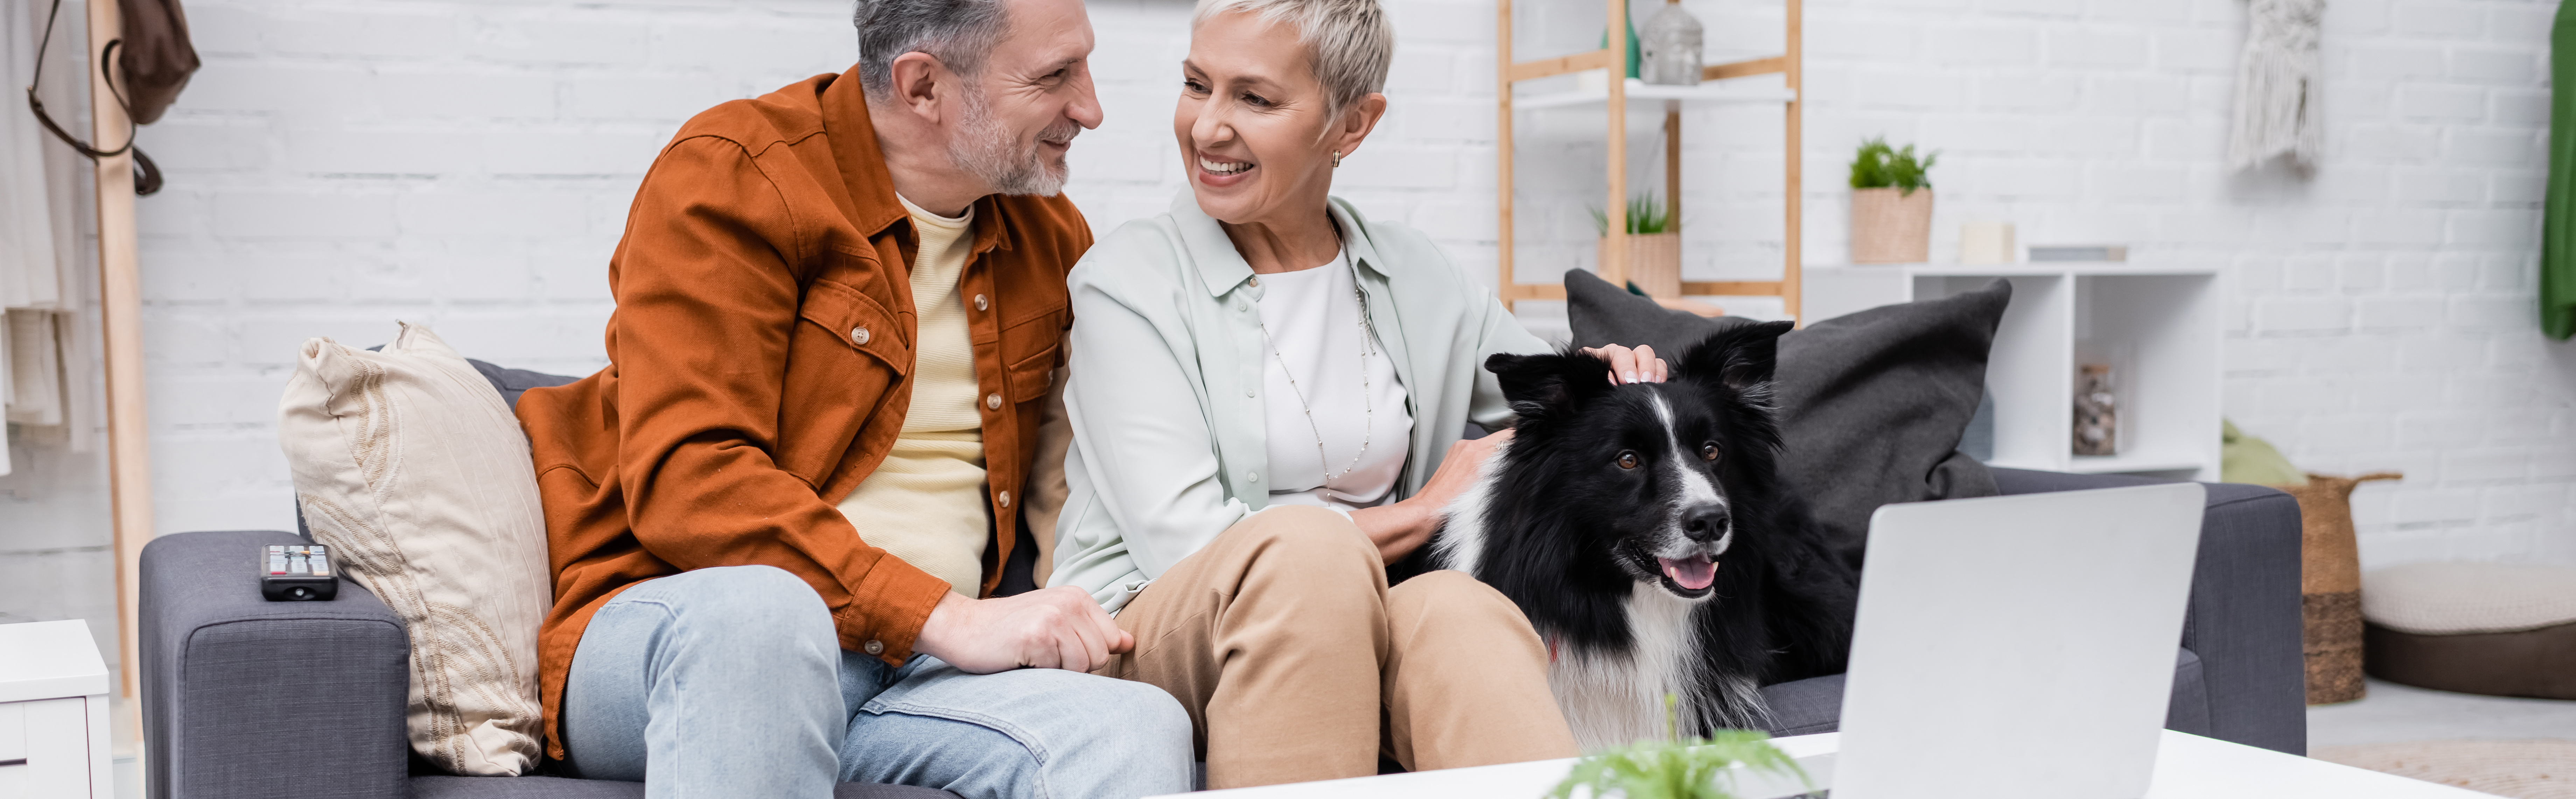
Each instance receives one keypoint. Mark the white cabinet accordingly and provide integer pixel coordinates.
(53, 712)
(2156, 327)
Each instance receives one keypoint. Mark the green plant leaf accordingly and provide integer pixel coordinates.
(1878, 166)
(1646, 216)
(1695, 768)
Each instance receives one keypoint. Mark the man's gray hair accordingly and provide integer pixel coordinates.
(1349, 43)
(960, 33)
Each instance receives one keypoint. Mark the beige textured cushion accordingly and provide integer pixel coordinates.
(2459, 598)
(409, 466)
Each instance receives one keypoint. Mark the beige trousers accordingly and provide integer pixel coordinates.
(1297, 663)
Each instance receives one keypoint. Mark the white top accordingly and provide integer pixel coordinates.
(53, 659)
(2186, 766)
(1343, 375)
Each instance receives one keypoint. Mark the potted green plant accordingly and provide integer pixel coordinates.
(1891, 206)
(1695, 768)
(1654, 245)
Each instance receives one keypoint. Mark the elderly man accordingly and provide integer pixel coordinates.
(772, 517)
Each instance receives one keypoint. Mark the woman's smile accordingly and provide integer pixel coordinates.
(1217, 170)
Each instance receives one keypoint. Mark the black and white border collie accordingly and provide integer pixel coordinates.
(1645, 531)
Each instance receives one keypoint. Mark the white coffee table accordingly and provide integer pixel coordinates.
(2186, 766)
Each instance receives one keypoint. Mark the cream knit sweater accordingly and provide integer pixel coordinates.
(925, 504)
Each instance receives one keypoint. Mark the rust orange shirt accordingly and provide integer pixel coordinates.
(757, 371)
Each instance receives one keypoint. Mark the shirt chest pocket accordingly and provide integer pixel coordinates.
(847, 354)
(1031, 351)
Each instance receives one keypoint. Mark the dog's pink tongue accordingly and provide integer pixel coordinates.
(1693, 573)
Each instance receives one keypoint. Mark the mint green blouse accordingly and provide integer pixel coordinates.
(1165, 383)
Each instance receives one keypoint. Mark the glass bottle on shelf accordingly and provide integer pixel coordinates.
(2097, 413)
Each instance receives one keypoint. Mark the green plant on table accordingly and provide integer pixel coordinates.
(1879, 166)
(1696, 768)
(1646, 217)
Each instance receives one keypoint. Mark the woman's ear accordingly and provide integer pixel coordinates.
(1356, 123)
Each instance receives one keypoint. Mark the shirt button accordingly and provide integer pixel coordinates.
(1252, 477)
(993, 402)
(875, 647)
(1256, 281)
(1247, 392)
(1006, 499)
(979, 302)
(859, 336)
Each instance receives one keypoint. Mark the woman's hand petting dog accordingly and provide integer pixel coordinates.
(1403, 527)
(1631, 366)
(1049, 628)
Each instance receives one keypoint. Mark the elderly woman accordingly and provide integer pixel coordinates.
(1268, 393)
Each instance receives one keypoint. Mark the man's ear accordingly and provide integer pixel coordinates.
(1741, 356)
(914, 84)
(1550, 382)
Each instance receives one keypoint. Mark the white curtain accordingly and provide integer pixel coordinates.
(39, 244)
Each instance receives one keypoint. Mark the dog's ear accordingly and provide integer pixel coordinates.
(1742, 356)
(1550, 381)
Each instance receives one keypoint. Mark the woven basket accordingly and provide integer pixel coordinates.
(2330, 586)
(1654, 262)
(1891, 227)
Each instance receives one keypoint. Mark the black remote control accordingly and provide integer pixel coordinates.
(297, 574)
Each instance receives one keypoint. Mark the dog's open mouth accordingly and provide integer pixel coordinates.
(1693, 573)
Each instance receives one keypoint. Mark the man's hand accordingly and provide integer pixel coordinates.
(1050, 628)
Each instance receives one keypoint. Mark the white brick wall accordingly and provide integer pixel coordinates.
(339, 165)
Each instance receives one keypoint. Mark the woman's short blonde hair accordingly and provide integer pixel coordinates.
(1348, 42)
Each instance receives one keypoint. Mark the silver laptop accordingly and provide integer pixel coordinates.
(2017, 646)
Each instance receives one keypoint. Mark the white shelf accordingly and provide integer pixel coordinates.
(2157, 325)
(2132, 462)
(2085, 268)
(1707, 93)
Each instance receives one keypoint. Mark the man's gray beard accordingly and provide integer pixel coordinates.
(986, 149)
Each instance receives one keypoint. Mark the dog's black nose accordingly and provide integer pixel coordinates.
(1705, 523)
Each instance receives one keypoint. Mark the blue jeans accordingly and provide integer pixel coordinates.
(731, 682)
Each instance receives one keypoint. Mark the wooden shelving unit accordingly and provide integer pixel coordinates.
(1614, 98)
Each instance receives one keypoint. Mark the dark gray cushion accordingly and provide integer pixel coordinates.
(1872, 404)
(513, 382)
(1815, 704)
(561, 788)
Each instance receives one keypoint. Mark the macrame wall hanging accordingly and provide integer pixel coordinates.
(2276, 84)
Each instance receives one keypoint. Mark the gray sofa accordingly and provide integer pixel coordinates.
(248, 698)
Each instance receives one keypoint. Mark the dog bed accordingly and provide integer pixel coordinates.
(2478, 628)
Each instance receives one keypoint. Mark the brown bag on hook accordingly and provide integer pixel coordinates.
(156, 59)
(156, 56)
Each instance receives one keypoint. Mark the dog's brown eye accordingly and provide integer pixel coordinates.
(1627, 460)
(1708, 451)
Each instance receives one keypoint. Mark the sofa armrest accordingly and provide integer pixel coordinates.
(2244, 616)
(243, 697)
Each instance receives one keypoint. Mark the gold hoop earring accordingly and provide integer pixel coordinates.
(1337, 159)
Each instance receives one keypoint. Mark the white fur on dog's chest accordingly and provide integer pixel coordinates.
(1616, 698)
